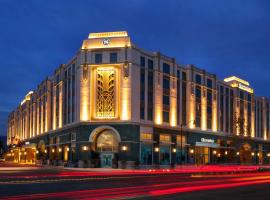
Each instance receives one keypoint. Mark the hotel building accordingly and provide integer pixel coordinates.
(116, 105)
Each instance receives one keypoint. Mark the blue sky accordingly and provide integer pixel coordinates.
(225, 37)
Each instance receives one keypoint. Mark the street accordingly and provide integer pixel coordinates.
(59, 183)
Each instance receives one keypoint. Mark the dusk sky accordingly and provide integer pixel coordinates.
(225, 37)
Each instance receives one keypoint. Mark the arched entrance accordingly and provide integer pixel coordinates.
(245, 154)
(106, 142)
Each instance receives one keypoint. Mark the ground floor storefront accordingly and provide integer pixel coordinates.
(135, 146)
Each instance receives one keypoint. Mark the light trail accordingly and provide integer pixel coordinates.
(152, 190)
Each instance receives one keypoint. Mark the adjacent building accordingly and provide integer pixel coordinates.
(115, 105)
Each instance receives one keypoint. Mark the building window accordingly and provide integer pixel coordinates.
(166, 68)
(164, 138)
(166, 117)
(150, 101)
(146, 154)
(146, 136)
(166, 100)
(98, 58)
(166, 83)
(142, 89)
(113, 57)
(165, 153)
(198, 79)
(150, 64)
(209, 83)
(142, 61)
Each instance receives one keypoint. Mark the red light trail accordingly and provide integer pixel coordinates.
(196, 183)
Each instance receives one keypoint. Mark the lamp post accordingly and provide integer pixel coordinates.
(181, 138)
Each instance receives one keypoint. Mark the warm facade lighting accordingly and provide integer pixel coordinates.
(226, 152)
(59, 150)
(237, 153)
(107, 40)
(37, 152)
(258, 154)
(156, 149)
(27, 97)
(173, 113)
(126, 100)
(214, 152)
(191, 151)
(53, 150)
(174, 150)
(24, 153)
(67, 149)
(253, 154)
(85, 148)
(234, 78)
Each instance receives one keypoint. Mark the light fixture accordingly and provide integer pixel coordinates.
(124, 148)
(45, 151)
(53, 150)
(268, 154)
(252, 153)
(174, 150)
(37, 152)
(20, 153)
(226, 152)
(258, 154)
(237, 153)
(156, 149)
(67, 149)
(191, 151)
(214, 152)
(84, 148)
(60, 150)
(24, 153)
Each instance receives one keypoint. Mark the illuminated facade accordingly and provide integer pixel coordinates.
(114, 104)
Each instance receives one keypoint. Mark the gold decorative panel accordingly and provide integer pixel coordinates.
(105, 93)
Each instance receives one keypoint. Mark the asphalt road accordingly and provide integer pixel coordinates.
(44, 183)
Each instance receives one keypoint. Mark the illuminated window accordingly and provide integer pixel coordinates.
(165, 138)
(107, 141)
(146, 136)
(105, 105)
(178, 140)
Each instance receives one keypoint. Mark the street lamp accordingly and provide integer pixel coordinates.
(181, 138)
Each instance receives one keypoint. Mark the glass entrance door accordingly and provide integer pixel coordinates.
(106, 160)
(202, 155)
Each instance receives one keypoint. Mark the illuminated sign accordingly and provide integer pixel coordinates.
(106, 41)
(108, 34)
(207, 140)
